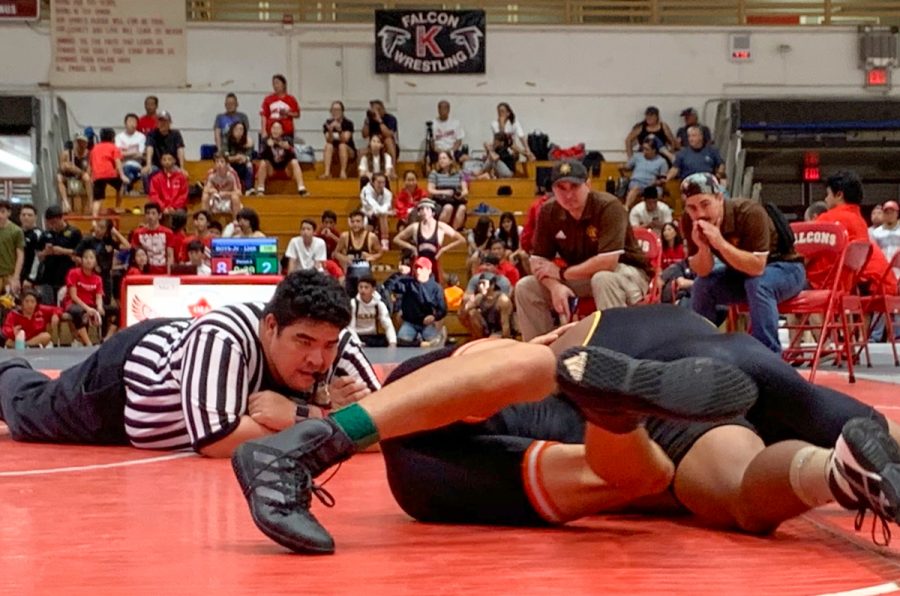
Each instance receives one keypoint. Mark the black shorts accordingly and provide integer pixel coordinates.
(453, 201)
(474, 473)
(101, 184)
(279, 166)
(788, 407)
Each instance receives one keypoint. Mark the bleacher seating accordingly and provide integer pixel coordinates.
(281, 209)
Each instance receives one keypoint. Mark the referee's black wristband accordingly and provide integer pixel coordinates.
(302, 412)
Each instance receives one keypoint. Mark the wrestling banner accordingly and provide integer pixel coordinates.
(430, 41)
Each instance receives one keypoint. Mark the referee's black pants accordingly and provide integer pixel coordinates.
(86, 404)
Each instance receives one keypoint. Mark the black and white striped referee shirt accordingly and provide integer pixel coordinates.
(187, 382)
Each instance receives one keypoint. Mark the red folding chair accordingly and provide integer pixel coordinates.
(852, 312)
(832, 312)
(885, 305)
(652, 247)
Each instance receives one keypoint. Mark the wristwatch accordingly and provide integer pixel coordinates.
(302, 412)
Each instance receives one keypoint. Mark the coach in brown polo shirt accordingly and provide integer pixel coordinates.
(588, 230)
(733, 249)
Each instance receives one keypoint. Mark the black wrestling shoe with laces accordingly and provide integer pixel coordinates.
(276, 474)
(867, 459)
(605, 384)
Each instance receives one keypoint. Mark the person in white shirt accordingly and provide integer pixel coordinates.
(371, 317)
(448, 135)
(132, 143)
(651, 212)
(877, 218)
(197, 257)
(378, 203)
(306, 251)
(887, 237)
(375, 160)
(507, 124)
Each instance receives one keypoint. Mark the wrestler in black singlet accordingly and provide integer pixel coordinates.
(359, 267)
(472, 473)
(429, 247)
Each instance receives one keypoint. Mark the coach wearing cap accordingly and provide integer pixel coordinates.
(589, 231)
(740, 234)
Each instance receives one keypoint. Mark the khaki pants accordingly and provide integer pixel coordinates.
(624, 286)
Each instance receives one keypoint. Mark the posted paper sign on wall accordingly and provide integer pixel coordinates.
(429, 41)
(145, 297)
(19, 10)
(118, 43)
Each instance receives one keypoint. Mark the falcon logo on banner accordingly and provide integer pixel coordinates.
(429, 42)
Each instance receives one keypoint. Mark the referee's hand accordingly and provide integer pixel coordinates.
(272, 410)
(344, 391)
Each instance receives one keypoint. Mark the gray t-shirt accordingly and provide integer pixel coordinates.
(645, 170)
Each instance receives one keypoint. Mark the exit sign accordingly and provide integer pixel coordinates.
(740, 55)
(878, 77)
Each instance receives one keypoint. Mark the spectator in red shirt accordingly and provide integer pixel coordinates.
(843, 195)
(177, 223)
(409, 196)
(527, 235)
(504, 266)
(328, 231)
(222, 193)
(169, 188)
(673, 245)
(106, 170)
(28, 318)
(156, 239)
(202, 232)
(148, 121)
(280, 107)
(84, 299)
(138, 262)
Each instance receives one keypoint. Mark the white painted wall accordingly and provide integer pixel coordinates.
(577, 84)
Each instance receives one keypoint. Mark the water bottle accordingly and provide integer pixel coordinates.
(20, 340)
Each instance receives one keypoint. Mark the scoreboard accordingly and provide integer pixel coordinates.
(253, 256)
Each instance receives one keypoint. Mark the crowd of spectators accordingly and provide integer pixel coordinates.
(576, 245)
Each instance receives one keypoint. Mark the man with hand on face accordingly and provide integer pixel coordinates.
(150, 386)
(589, 231)
(733, 249)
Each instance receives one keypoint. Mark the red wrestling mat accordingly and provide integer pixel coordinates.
(118, 520)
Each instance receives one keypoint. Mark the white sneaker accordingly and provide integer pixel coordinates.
(867, 459)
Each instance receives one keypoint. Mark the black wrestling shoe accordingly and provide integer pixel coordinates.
(867, 458)
(276, 474)
(605, 384)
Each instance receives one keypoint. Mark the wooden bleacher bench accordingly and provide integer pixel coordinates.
(282, 208)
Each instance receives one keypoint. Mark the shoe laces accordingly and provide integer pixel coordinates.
(877, 516)
(293, 481)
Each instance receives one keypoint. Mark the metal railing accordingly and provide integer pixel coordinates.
(567, 12)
